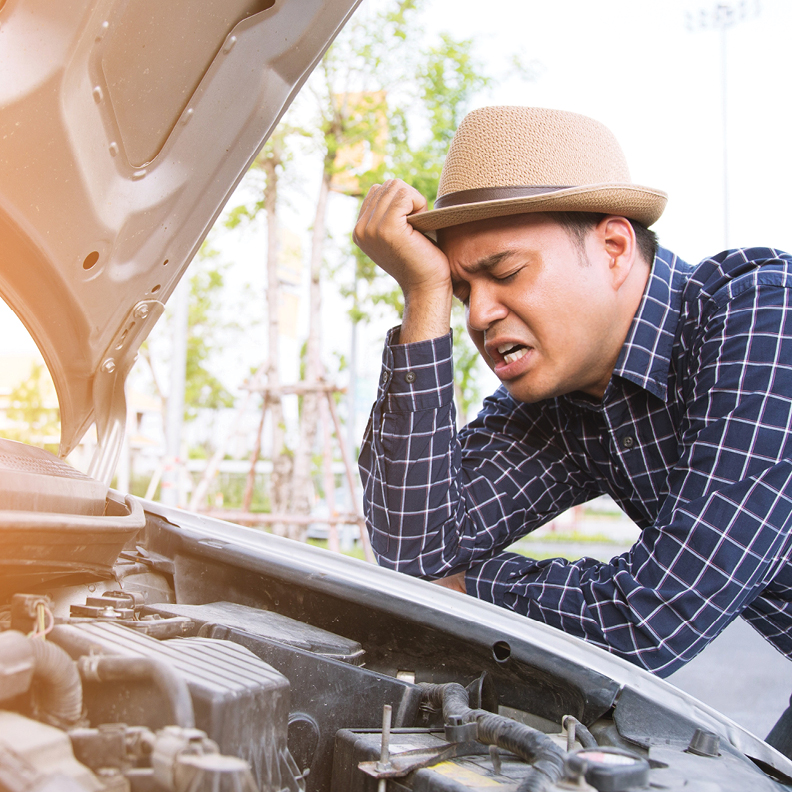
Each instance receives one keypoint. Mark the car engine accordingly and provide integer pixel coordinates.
(150, 650)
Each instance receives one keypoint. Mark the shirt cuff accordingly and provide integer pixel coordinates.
(418, 376)
(492, 579)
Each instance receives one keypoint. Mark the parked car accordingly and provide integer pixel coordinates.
(145, 648)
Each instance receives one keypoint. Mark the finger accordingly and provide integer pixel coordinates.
(359, 231)
(394, 202)
(369, 199)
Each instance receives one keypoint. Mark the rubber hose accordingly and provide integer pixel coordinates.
(59, 692)
(531, 745)
(113, 668)
(451, 698)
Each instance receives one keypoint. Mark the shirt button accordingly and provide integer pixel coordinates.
(410, 376)
(628, 441)
(385, 377)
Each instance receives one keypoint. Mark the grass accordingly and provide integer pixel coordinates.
(355, 552)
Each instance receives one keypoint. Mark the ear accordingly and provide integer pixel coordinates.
(616, 240)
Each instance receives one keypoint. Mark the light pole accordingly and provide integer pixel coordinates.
(722, 16)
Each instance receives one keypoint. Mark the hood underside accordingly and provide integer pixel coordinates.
(124, 127)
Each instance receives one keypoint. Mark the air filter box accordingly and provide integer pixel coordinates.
(240, 702)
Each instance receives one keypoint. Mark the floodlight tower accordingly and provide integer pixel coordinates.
(723, 16)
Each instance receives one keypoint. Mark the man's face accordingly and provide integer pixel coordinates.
(541, 310)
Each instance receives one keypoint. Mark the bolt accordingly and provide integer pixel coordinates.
(141, 311)
(109, 366)
(495, 759)
(384, 762)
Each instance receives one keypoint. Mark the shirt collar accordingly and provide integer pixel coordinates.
(645, 357)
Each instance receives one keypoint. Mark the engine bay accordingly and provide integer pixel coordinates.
(205, 656)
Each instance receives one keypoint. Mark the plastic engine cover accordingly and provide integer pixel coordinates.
(240, 701)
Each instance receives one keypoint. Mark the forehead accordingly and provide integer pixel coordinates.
(466, 244)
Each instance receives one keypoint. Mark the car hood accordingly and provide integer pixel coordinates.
(124, 127)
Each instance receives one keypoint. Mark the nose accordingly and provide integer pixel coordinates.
(483, 307)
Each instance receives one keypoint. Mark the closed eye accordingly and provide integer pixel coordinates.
(506, 278)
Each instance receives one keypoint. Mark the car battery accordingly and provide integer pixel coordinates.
(461, 774)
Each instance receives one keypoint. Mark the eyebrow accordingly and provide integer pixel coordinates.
(489, 262)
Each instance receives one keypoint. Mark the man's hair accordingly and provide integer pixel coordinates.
(578, 224)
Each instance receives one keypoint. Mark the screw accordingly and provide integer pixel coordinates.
(141, 311)
(384, 762)
(495, 759)
(109, 366)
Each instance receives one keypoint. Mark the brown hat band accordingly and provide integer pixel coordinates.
(482, 194)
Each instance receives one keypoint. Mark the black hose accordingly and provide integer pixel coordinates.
(582, 734)
(530, 745)
(112, 668)
(451, 698)
(59, 690)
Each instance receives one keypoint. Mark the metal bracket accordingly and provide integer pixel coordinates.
(109, 394)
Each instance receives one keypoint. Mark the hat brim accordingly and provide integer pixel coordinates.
(642, 204)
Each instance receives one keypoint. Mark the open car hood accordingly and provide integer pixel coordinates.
(124, 127)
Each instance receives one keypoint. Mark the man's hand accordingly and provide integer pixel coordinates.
(455, 582)
(418, 266)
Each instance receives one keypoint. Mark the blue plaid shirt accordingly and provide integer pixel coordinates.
(692, 438)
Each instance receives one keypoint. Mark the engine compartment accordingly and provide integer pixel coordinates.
(212, 657)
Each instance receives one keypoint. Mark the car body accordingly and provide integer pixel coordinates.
(183, 651)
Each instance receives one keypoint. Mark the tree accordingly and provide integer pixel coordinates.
(447, 78)
(34, 421)
(207, 326)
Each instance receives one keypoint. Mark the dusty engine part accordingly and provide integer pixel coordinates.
(267, 624)
(57, 690)
(16, 664)
(124, 607)
(321, 703)
(239, 701)
(608, 769)
(35, 756)
(110, 605)
(185, 759)
(172, 687)
(112, 745)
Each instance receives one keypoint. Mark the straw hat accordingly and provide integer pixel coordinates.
(510, 160)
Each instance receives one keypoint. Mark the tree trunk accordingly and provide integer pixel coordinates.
(302, 485)
(281, 462)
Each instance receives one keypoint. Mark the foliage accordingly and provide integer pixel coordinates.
(444, 81)
(203, 390)
(34, 422)
(208, 331)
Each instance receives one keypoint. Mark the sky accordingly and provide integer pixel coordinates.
(637, 66)
(656, 81)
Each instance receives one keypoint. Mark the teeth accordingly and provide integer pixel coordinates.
(504, 348)
(512, 356)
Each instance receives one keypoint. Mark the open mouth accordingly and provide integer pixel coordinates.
(512, 352)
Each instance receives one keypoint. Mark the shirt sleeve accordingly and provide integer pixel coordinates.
(437, 501)
(722, 536)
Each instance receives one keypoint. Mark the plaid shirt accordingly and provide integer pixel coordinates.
(693, 439)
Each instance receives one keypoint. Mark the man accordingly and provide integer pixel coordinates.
(625, 371)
